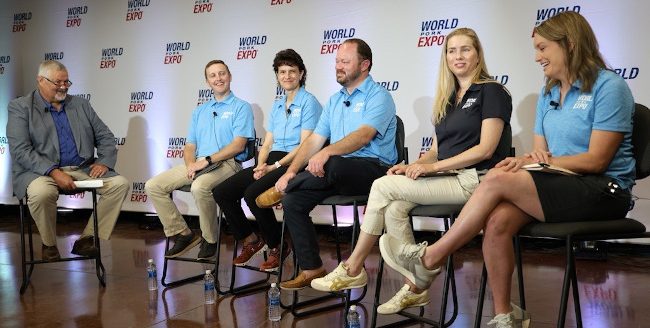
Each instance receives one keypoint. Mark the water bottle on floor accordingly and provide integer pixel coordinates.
(152, 278)
(208, 282)
(353, 317)
(274, 303)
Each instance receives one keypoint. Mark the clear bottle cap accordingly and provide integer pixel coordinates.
(207, 271)
(150, 261)
(273, 285)
(353, 307)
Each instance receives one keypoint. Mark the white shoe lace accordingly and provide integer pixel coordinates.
(412, 252)
(503, 320)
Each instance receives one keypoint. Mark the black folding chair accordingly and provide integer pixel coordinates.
(575, 232)
(335, 201)
(26, 223)
(246, 288)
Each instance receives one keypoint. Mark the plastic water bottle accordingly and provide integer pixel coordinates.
(353, 317)
(152, 279)
(208, 283)
(274, 303)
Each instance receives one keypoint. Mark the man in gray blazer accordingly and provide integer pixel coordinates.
(52, 141)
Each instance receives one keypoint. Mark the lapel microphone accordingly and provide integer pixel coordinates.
(214, 114)
(347, 103)
(554, 104)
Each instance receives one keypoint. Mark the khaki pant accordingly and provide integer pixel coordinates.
(160, 187)
(392, 197)
(42, 194)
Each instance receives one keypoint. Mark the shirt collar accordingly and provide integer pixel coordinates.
(364, 87)
(228, 100)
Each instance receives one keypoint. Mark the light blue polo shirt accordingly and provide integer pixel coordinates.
(608, 107)
(369, 104)
(286, 126)
(210, 133)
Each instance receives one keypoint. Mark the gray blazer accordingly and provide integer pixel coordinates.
(34, 143)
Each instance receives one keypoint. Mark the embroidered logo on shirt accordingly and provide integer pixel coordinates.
(358, 106)
(295, 112)
(583, 101)
(226, 115)
(469, 102)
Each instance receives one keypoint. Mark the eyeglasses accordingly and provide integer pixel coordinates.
(66, 83)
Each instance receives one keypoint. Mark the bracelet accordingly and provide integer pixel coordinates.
(277, 165)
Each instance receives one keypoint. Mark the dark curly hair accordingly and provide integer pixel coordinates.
(290, 57)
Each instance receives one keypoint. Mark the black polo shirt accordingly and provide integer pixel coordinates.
(460, 129)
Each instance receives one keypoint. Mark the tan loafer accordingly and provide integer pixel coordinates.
(301, 281)
(269, 198)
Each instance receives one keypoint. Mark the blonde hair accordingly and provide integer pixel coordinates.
(574, 35)
(447, 82)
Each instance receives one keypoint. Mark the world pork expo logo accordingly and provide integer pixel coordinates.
(332, 39)
(134, 9)
(75, 14)
(434, 32)
(20, 21)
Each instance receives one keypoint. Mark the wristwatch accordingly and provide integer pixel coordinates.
(209, 160)
(277, 165)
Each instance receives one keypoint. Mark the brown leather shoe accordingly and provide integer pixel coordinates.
(50, 253)
(301, 281)
(269, 198)
(85, 246)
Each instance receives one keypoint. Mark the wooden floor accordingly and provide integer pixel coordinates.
(614, 293)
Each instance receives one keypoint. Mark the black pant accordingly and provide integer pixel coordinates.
(343, 176)
(229, 193)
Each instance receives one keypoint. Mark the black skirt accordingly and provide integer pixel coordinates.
(580, 198)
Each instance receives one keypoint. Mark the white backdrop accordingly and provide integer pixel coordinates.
(140, 62)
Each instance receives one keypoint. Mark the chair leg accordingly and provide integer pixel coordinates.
(380, 274)
(336, 234)
(570, 281)
(449, 282)
(244, 289)
(25, 222)
(197, 277)
(345, 296)
(26, 273)
(481, 298)
(99, 267)
(520, 272)
(257, 285)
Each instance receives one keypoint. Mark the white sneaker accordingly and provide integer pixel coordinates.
(402, 300)
(517, 318)
(339, 280)
(406, 259)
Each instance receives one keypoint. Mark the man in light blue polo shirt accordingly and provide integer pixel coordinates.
(217, 138)
(359, 122)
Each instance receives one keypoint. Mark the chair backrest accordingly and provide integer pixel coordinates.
(641, 140)
(251, 149)
(505, 143)
(400, 143)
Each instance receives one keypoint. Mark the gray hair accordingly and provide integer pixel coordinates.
(47, 66)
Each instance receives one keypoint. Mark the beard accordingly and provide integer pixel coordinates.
(60, 95)
(345, 79)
